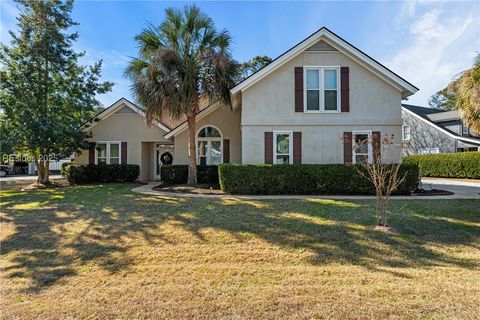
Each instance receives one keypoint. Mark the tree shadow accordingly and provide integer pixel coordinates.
(52, 232)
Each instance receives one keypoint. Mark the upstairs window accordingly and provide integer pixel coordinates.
(322, 92)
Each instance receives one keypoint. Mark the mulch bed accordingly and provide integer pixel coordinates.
(431, 192)
(206, 189)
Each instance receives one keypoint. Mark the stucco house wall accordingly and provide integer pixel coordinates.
(225, 119)
(131, 128)
(269, 105)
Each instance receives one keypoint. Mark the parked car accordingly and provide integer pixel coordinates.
(5, 170)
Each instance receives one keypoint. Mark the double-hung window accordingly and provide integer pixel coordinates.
(322, 92)
(282, 147)
(362, 147)
(108, 153)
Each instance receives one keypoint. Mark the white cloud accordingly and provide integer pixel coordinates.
(443, 44)
(406, 11)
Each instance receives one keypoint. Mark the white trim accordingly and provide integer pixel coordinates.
(202, 114)
(369, 144)
(107, 151)
(409, 132)
(111, 110)
(326, 35)
(440, 128)
(290, 145)
(209, 144)
(321, 89)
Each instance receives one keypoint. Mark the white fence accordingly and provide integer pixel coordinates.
(53, 166)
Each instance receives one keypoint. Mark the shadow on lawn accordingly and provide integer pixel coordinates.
(54, 230)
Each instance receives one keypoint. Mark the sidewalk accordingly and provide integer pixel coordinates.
(461, 192)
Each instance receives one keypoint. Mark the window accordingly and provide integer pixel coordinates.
(429, 150)
(322, 92)
(282, 147)
(406, 133)
(362, 147)
(108, 152)
(209, 146)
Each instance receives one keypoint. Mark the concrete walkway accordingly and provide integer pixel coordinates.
(461, 191)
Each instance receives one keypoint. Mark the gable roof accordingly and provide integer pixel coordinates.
(122, 102)
(423, 113)
(337, 42)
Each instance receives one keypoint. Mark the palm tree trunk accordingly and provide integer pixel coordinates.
(192, 157)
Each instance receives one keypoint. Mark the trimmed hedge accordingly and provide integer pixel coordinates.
(91, 173)
(305, 179)
(448, 165)
(178, 174)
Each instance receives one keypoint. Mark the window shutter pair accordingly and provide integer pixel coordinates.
(348, 146)
(344, 89)
(297, 147)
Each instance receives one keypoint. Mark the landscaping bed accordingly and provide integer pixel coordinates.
(204, 189)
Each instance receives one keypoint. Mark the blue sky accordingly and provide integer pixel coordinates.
(426, 42)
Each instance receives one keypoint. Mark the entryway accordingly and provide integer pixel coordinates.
(163, 155)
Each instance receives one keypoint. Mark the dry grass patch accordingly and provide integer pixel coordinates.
(105, 252)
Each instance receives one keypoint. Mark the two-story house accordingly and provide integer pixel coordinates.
(427, 130)
(309, 105)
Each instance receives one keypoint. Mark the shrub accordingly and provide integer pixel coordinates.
(178, 174)
(305, 179)
(448, 165)
(91, 173)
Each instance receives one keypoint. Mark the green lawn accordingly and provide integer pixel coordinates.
(105, 252)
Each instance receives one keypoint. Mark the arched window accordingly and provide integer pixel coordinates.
(209, 146)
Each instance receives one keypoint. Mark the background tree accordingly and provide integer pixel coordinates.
(183, 62)
(45, 94)
(443, 100)
(250, 67)
(463, 94)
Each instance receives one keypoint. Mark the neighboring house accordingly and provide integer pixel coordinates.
(427, 130)
(309, 105)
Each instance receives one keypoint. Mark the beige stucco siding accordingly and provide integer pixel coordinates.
(130, 128)
(223, 118)
(269, 104)
(320, 144)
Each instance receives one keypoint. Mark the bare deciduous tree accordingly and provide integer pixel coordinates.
(386, 178)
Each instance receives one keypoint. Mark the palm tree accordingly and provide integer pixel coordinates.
(466, 89)
(182, 63)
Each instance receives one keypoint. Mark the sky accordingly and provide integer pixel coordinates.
(425, 42)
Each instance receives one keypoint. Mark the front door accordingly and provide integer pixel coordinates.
(163, 155)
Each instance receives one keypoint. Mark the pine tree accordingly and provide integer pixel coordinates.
(45, 94)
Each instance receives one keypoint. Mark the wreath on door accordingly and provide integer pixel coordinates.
(166, 158)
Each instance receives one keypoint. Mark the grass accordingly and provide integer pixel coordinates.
(102, 252)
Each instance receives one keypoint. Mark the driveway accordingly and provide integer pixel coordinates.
(459, 187)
